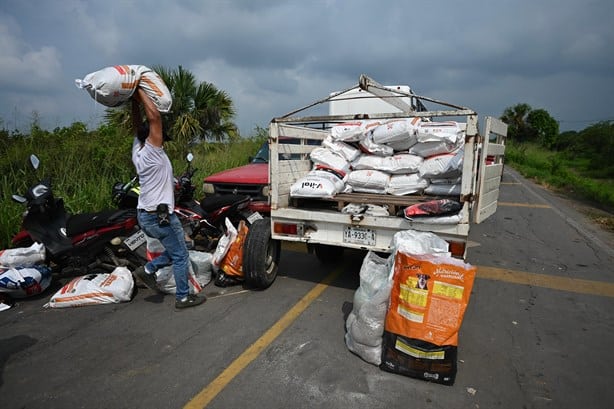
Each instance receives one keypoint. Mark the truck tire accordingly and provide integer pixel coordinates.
(328, 254)
(260, 255)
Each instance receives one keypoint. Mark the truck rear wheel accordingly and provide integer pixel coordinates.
(260, 255)
(328, 254)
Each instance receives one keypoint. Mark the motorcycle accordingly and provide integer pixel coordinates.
(204, 220)
(81, 243)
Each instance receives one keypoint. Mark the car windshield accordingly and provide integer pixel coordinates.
(263, 154)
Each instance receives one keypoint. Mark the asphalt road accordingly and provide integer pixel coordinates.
(538, 333)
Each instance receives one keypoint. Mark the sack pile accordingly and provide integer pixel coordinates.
(22, 272)
(397, 157)
(408, 309)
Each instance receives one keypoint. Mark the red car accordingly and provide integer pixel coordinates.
(251, 179)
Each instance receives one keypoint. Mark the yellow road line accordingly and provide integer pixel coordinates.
(218, 384)
(541, 206)
(510, 183)
(575, 285)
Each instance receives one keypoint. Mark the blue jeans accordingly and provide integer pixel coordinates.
(175, 249)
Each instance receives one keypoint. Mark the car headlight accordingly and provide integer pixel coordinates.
(208, 188)
(265, 191)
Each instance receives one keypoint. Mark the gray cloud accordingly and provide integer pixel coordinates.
(274, 56)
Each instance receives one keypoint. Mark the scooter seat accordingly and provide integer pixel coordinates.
(80, 223)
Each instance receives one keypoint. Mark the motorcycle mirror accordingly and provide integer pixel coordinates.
(19, 199)
(189, 157)
(34, 161)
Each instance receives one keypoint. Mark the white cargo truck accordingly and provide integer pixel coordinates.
(324, 225)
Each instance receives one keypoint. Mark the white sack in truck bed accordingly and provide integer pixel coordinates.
(112, 86)
(318, 183)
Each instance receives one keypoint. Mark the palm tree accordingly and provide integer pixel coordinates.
(199, 111)
(516, 119)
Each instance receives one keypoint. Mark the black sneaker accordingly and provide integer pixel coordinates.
(148, 279)
(190, 301)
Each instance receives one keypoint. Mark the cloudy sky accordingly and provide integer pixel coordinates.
(272, 56)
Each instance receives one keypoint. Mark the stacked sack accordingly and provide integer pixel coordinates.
(398, 157)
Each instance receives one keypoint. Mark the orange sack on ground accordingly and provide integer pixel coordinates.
(429, 297)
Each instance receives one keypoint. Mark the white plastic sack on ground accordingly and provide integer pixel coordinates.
(442, 165)
(417, 242)
(200, 273)
(22, 256)
(368, 181)
(365, 323)
(443, 190)
(92, 289)
(400, 163)
(317, 183)
(400, 133)
(341, 148)
(223, 244)
(21, 282)
(112, 86)
(354, 131)
(400, 185)
(330, 159)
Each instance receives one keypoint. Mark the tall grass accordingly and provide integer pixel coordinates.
(563, 172)
(84, 165)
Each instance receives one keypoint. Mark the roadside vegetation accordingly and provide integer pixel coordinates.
(578, 164)
(84, 164)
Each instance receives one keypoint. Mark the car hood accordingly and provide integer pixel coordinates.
(253, 173)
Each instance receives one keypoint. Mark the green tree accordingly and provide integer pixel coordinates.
(516, 119)
(544, 127)
(200, 110)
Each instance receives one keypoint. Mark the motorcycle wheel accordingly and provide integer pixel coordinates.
(260, 255)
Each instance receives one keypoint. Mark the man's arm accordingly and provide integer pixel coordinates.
(153, 118)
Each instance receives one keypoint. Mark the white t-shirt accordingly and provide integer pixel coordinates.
(155, 176)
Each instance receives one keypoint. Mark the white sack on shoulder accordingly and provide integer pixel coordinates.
(111, 86)
(400, 163)
(92, 289)
(23, 256)
(330, 159)
(368, 181)
(400, 185)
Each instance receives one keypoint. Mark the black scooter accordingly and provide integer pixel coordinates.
(82, 243)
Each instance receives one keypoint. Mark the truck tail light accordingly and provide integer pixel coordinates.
(293, 229)
(457, 248)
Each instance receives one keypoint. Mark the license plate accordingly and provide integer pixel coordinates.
(359, 235)
(135, 240)
(253, 217)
